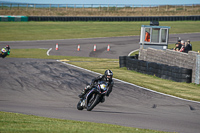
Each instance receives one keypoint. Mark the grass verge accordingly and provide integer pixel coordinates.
(16, 31)
(19, 123)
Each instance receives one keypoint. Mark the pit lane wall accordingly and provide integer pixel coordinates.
(190, 60)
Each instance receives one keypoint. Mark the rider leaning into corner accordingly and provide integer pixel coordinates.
(107, 77)
(5, 51)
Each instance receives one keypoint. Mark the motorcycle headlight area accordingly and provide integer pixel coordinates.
(103, 87)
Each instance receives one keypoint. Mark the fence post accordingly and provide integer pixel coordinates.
(74, 7)
(108, 8)
(158, 8)
(58, 7)
(166, 8)
(184, 7)
(99, 7)
(83, 7)
(27, 7)
(133, 8)
(10, 6)
(34, 6)
(66, 7)
(49, 7)
(150, 8)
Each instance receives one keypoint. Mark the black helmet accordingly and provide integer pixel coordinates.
(108, 74)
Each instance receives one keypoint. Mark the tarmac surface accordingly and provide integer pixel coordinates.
(49, 88)
(119, 46)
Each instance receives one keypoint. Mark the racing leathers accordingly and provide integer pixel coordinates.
(110, 83)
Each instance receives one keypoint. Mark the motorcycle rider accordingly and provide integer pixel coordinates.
(107, 77)
(6, 51)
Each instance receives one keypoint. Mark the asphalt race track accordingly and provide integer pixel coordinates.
(119, 46)
(50, 88)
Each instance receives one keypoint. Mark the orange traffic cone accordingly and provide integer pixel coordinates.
(95, 47)
(56, 46)
(79, 48)
(108, 48)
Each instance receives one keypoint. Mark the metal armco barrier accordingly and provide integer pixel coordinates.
(99, 18)
(174, 73)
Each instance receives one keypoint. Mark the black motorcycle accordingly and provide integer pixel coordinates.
(93, 96)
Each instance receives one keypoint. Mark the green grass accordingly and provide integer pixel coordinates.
(15, 31)
(20, 123)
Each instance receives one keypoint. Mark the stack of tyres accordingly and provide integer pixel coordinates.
(160, 70)
(166, 72)
(186, 75)
(122, 61)
(152, 68)
(142, 66)
(175, 73)
(131, 63)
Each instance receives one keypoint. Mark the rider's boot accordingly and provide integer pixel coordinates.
(84, 91)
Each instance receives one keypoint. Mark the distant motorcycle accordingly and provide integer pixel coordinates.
(4, 52)
(93, 96)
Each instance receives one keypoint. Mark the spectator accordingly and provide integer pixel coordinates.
(179, 43)
(187, 47)
(182, 46)
(177, 48)
(188, 41)
(147, 37)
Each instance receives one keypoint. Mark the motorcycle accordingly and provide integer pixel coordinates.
(4, 52)
(93, 96)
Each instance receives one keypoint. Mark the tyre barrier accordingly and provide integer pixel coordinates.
(163, 71)
(100, 18)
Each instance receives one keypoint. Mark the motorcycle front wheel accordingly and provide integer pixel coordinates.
(79, 107)
(92, 101)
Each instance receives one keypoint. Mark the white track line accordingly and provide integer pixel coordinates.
(49, 51)
(133, 52)
(130, 83)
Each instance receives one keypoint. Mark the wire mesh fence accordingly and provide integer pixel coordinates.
(101, 9)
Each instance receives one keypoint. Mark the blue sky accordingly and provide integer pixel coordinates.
(135, 2)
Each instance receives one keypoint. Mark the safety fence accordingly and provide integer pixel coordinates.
(163, 71)
(98, 9)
